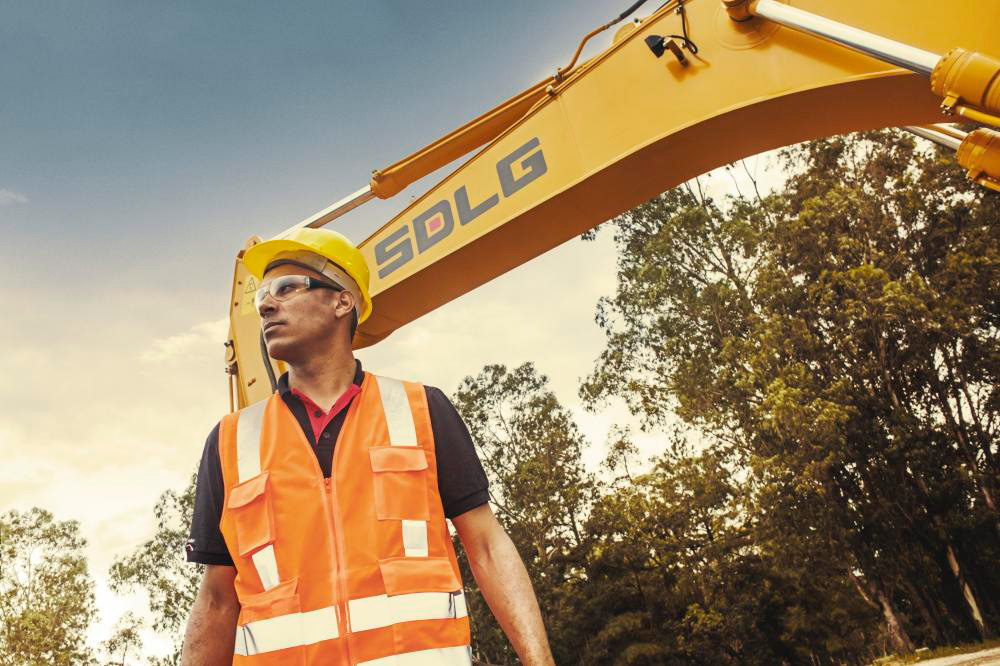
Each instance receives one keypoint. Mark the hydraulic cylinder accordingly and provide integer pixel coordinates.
(979, 154)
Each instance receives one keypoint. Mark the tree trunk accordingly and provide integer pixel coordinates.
(927, 613)
(967, 593)
(991, 503)
(901, 643)
(982, 484)
(875, 597)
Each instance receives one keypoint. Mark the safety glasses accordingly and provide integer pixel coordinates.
(287, 286)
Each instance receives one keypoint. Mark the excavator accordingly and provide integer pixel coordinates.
(693, 86)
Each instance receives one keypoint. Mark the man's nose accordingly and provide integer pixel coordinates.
(267, 306)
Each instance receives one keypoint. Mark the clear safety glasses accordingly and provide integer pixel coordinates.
(287, 286)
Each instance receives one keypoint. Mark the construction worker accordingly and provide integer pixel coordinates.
(320, 512)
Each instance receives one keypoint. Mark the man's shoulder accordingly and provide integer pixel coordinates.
(231, 418)
(435, 391)
(212, 441)
(382, 376)
(210, 452)
(437, 400)
(428, 389)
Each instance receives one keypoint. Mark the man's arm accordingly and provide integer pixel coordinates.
(211, 628)
(504, 583)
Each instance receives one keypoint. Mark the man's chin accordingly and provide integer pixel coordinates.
(278, 350)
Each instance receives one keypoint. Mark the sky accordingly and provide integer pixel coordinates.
(141, 144)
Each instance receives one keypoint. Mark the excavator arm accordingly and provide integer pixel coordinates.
(645, 115)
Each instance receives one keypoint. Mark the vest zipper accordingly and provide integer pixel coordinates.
(337, 529)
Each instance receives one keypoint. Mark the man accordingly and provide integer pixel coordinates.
(320, 512)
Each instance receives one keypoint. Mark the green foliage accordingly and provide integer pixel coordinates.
(657, 567)
(833, 350)
(159, 568)
(531, 451)
(837, 341)
(46, 593)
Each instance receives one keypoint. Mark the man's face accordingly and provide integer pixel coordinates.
(306, 323)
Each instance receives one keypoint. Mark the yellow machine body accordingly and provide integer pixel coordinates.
(625, 126)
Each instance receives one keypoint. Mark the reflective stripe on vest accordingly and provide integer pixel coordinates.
(285, 631)
(398, 416)
(248, 426)
(248, 440)
(449, 656)
(402, 432)
(415, 538)
(383, 611)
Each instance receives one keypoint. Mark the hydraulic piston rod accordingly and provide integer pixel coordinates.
(977, 151)
(933, 133)
(968, 82)
(886, 50)
(348, 203)
(391, 180)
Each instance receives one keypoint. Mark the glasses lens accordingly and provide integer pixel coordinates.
(281, 288)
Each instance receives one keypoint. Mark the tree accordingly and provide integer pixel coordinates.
(124, 640)
(531, 451)
(159, 568)
(838, 339)
(657, 564)
(681, 573)
(46, 593)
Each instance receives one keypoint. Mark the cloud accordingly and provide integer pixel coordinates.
(10, 198)
(199, 336)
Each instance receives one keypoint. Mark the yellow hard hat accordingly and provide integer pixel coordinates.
(323, 250)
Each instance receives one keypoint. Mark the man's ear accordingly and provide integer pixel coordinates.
(345, 302)
(345, 306)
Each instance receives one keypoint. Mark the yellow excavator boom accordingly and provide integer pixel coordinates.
(645, 115)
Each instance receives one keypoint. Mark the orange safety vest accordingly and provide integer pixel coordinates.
(355, 569)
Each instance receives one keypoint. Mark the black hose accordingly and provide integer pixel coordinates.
(688, 44)
(625, 14)
(267, 363)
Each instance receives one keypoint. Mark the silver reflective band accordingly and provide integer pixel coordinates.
(248, 425)
(398, 416)
(285, 631)
(385, 611)
(460, 655)
(267, 566)
(415, 538)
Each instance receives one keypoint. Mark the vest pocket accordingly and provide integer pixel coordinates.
(253, 516)
(280, 600)
(269, 628)
(400, 482)
(407, 575)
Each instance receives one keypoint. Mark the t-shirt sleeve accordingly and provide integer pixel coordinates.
(206, 544)
(461, 479)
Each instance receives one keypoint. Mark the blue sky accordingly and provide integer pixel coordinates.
(190, 125)
(141, 143)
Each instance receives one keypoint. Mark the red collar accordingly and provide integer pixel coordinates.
(317, 418)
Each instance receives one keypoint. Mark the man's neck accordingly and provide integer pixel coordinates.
(324, 378)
